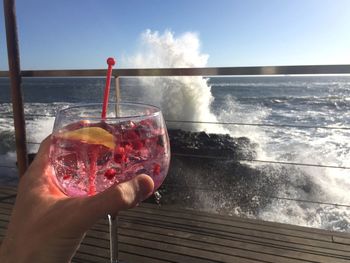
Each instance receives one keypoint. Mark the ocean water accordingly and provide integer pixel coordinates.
(282, 113)
(300, 124)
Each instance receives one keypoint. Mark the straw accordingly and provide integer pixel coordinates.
(111, 62)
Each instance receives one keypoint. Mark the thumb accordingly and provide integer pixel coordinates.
(119, 197)
(42, 156)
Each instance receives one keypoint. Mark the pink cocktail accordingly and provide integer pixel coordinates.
(89, 154)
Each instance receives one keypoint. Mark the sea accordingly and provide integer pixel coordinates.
(295, 121)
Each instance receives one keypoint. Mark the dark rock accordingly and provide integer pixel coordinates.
(223, 183)
(216, 145)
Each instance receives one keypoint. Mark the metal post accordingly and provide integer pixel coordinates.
(117, 95)
(15, 77)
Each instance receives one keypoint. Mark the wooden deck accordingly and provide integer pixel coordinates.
(167, 234)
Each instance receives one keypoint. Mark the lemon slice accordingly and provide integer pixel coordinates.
(90, 135)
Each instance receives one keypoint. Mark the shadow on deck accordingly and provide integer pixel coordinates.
(150, 233)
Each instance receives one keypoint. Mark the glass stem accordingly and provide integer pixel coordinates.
(113, 238)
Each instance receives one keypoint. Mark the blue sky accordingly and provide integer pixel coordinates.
(82, 33)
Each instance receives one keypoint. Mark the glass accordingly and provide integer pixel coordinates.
(90, 155)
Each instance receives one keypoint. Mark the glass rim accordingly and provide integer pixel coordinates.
(155, 113)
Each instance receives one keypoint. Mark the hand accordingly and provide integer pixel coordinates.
(48, 226)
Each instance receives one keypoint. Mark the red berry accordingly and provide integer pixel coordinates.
(119, 158)
(132, 135)
(119, 155)
(137, 145)
(110, 173)
(128, 148)
(65, 177)
(156, 169)
(119, 149)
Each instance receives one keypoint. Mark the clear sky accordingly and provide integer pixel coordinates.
(82, 33)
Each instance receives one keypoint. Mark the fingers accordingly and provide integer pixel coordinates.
(119, 197)
(44, 148)
(42, 156)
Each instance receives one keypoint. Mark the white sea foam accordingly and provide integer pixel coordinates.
(8, 169)
(181, 98)
(190, 98)
(37, 128)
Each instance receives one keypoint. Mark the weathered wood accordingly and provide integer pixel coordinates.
(225, 231)
(16, 89)
(228, 222)
(174, 211)
(7, 191)
(171, 234)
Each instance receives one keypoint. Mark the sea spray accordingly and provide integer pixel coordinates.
(258, 102)
(181, 98)
(190, 99)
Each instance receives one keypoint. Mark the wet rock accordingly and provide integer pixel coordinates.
(216, 145)
(223, 183)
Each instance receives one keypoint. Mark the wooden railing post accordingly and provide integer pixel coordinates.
(15, 77)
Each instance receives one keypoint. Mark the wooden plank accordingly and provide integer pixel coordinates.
(238, 247)
(3, 232)
(131, 249)
(130, 256)
(136, 258)
(209, 228)
(8, 187)
(94, 250)
(195, 213)
(153, 233)
(341, 240)
(139, 240)
(7, 191)
(124, 247)
(309, 233)
(5, 217)
(86, 258)
(183, 253)
(100, 230)
(232, 222)
(257, 240)
(5, 208)
(169, 234)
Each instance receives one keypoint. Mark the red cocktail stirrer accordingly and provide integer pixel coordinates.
(111, 62)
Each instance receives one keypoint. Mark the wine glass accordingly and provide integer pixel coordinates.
(90, 154)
